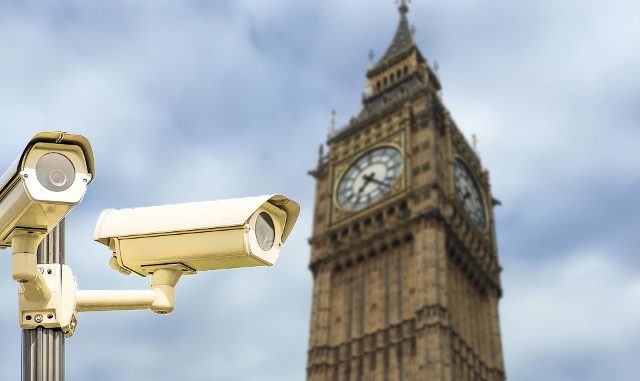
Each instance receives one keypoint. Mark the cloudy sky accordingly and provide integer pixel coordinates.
(197, 100)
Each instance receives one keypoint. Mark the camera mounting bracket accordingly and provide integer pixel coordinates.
(59, 301)
(58, 311)
(48, 295)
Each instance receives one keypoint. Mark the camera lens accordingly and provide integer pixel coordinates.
(57, 177)
(265, 233)
(55, 172)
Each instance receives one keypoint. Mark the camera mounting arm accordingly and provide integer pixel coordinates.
(159, 299)
(48, 295)
(24, 269)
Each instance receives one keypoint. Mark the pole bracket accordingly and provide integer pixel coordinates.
(57, 311)
(48, 295)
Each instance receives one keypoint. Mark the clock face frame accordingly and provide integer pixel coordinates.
(369, 178)
(469, 194)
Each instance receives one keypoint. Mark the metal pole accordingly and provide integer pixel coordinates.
(42, 348)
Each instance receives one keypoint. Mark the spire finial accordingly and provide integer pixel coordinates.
(332, 127)
(403, 7)
(320, 153)
(371, 63)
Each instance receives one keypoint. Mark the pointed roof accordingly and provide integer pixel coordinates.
(402, 41)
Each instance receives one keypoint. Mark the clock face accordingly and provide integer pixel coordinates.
(469, 194)
(369, 178)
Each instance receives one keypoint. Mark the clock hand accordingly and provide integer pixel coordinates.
(374, 180)
(367, 179)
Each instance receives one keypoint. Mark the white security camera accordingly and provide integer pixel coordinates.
(200, 236)
(47, 179)
(51, 176)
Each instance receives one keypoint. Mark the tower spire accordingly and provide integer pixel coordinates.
(403, 7)
(402, 39)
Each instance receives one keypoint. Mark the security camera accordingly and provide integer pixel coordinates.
(47, 179)
(200, 236)
(50, 176)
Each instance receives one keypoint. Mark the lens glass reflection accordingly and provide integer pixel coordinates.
(55, 172)
(265, 232)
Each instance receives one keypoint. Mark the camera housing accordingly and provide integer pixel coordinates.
(47, 179)
(201, 236)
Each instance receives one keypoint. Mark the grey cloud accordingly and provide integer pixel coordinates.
(586, 330)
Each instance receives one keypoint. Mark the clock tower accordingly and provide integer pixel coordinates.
(406, 279)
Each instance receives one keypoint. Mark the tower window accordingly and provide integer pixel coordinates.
(393, 77)
(406, 69)
(399, 73)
